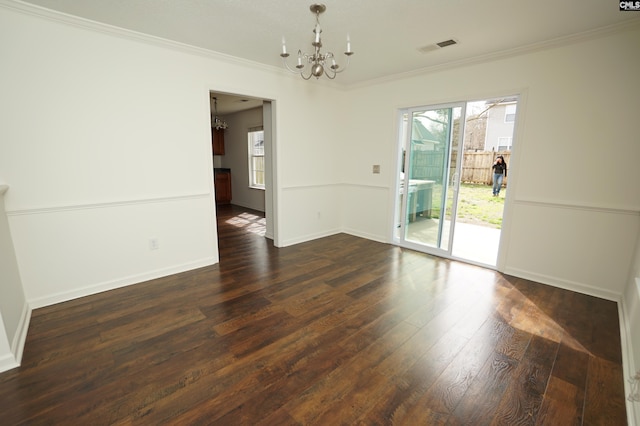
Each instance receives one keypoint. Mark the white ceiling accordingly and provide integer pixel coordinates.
(228, 104)
(386, 35)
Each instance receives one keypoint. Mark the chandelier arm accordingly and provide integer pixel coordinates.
(348, 55)
(286, 64)
(307, 77)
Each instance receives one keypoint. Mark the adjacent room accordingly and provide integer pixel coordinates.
(260, 212)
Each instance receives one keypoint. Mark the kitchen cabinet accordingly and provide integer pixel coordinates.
(222, 184)
(217, 136)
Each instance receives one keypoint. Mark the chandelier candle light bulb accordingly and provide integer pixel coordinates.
(316, 61)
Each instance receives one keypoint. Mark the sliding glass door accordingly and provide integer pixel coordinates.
(428, 181)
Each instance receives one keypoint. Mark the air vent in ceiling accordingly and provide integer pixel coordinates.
(447, 43)
(436, 46)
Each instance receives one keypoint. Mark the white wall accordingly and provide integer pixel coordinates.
(14, 311)
(572, 223)
(106, 145)
(107, 148)
(631, 330)
(235, 158)
(308, 189)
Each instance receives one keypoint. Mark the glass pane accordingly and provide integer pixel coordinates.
(258, 170)
(257, 142)
(256, 158)
(428, 173)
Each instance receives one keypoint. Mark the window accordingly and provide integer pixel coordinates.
(504, 144)
(256, 157)
(510, 114)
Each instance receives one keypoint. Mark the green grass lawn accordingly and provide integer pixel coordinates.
(476, 205)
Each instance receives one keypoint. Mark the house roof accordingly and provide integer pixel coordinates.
(421, 134)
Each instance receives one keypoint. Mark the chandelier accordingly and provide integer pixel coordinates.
(218, 123)
(316, 64)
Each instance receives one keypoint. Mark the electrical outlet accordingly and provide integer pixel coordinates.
(154, 244)
(376, 168)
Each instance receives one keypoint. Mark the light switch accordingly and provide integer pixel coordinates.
(376, 168)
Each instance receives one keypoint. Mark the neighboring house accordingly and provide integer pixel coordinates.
(427, 153)
(423, 139)
(501, 117)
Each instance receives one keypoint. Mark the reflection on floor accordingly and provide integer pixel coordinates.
(471, 242)
(251, 221)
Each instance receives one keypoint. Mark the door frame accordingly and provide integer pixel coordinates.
(521, 94)
(402, 149)
(269, 120)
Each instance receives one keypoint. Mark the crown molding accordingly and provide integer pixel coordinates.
(628, 25)
(87, 24)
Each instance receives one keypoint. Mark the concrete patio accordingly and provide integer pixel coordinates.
(471, 242)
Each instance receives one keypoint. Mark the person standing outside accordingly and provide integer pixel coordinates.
(499, 172)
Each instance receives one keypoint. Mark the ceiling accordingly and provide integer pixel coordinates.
(389, 37)
(228, 104)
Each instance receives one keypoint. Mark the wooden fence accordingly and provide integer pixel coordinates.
(476, 166)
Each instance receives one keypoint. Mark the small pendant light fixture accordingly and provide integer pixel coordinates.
(218, 123)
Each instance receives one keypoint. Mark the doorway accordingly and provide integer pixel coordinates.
(243, 115)
(444, 198)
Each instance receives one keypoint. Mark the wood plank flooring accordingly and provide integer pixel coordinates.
(337, 331)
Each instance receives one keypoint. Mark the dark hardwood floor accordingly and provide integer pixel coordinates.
(340, 330)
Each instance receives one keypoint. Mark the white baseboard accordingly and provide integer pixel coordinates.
(8, 362)
(12, 360)
(366, 235)
(17, 346)
(564, 284)
(247, 206)
(309, 237)
(121, 282)
(628, 364)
